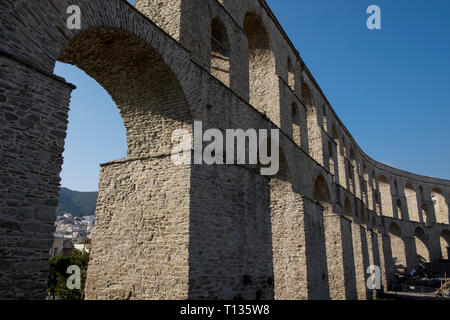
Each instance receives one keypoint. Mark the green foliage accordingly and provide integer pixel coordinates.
(57, 280)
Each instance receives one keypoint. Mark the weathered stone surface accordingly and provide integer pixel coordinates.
(194, 231)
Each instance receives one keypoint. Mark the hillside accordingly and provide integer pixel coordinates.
(77, 203)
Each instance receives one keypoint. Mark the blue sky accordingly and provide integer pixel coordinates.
(390, 87)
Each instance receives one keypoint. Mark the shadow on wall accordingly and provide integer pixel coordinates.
(230, 235)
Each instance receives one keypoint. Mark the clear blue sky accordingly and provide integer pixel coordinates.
(390, 87)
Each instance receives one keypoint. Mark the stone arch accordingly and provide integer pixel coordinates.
(350, 181)
(147, 74)
(422, 250)
(398, 249)
(138, 71)
(425, 215)
(314, 136)
(331, 161)
(291, 74)
(386, 196)
(422, 196)
(440, 206)
(296, 127)
(324, 118)
(263, 81)
(374, 223)
(220, 52)
(152, 104)
(340, 173)
(322, 194)
(411, 200)
(363, 217)
(445, 244)
(348, 210)
(399, 210)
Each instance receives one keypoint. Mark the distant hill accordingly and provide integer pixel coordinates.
(77, 203)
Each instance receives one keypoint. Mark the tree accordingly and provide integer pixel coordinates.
(57, 280)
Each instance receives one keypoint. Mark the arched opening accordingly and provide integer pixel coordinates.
(374, 223)
(398, 250)
(314, 138)
(445, 245)
(152, 105)
(425, 215)
(350, 178)
(322, 194)
(146, 92)
(263, 82)
(353, 174)
(440, 206)
(411, 200)
(363, 215)
(96, 134)
(296, 128)
(377, 203)
(324, 118)
(348, 211)
(291, 74)
(386, 197)
(340, 161)
(422, 252)
(399, 212)
(220, 52)
(331, 161)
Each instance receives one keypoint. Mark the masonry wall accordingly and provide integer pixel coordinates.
(141, 240)
(33, 124)
(208, 231)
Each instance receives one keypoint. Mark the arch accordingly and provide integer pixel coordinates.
(148, 77)
(400, 214)
(425, 214)
(445, 245)
(331, 161)
(363, 215)
(296, 128)
(386, 197)
(334, 132)
(322, 193)
(348, 210)
(263, 82)
(411, 200)
(422, 196)
(315, 143)
(422, 251)
(440, 206)
(374, 223)
(220, 52)
(350, 177)
(398, 249)
(338, 158)
(291, 74)
(146, 73)
(152, 104)
(324, 118)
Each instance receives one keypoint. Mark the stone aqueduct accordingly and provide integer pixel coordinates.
(221, 232)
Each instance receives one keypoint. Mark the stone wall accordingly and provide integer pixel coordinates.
(194, 231)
